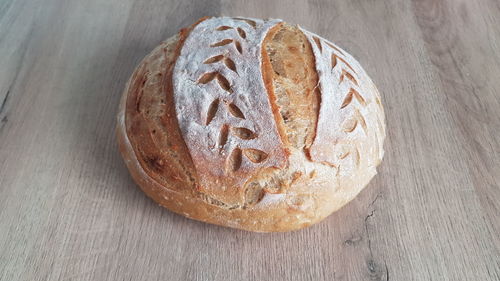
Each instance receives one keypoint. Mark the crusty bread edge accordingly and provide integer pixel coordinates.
(275, 212)
(271, 214)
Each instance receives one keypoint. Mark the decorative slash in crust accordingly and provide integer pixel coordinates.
(222, 105)
(346, 94)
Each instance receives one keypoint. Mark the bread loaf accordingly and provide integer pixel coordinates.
(252, 124)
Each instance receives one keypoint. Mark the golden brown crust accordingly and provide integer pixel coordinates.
(150, 118)
(295, 83)
(293, 197)
(268, 76)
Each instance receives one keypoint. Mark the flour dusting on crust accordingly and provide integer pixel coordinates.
(222, 104)
(349, 110)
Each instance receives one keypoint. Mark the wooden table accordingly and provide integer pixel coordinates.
(70, 211)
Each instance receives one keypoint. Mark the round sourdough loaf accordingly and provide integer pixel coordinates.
(252, 124)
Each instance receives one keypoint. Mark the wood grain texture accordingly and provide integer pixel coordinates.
(70, 211)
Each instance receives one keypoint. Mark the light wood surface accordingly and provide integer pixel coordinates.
(70, 211)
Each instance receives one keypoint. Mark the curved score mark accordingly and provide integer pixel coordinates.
(212, 110)
(255, 155)
(238, 46)
(223, 135)
(333, 47)
(207, 77)
(344, 156)
(223, 83)
(347, 64)
(334, 60)
(352, 94)
(230, 64)
(250, 22)
(350, 125)
(243, 133)
(318, 43)
(222, 43)
(234, 160)
(235, 111)
(214, 59)
(241, 32)
(227, 61)
(357, 156)
(223, 27)
(348, 75)
(361, 120)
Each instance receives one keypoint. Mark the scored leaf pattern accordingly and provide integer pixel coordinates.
(347, 75)
(221, 79)
(346, 83)
(352, 94)
(235, 158)
(227, 61)
(222, 105)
